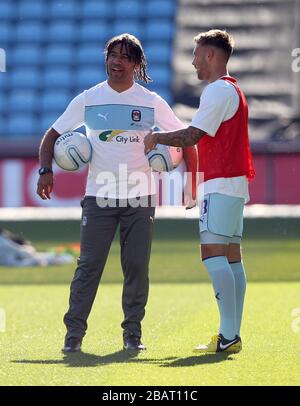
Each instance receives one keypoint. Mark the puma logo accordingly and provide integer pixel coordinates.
(103, 116)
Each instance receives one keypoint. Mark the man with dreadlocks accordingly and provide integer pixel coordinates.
(117, 114)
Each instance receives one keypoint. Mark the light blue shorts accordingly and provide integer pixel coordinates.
(221, 219)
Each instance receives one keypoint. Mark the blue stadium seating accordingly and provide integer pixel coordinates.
(31, 32)
(162, 30)
(31, 10)
(87, 77)
(63, 31)
(157, 52)
(165, 93)
(96, 9)
(22, 125)
(160, 75)
(94, 31)
(59, 55)
(55, 100)
(6, 10)
(160, 8)
(25, 78)
(47, 119)
(58, 78)
(3, 103)
(4, 82)
(90, 54)
(55, 51)
(6, 33)
(129, 9)
(26, 55)
(64, 9)
(133, 27)
(21, 101)
(3, 127)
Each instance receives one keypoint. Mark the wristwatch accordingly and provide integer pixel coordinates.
(42, 171)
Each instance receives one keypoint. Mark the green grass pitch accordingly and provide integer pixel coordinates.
(181, 313)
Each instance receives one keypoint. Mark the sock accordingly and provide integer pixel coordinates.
(240, 290)
(224, 286)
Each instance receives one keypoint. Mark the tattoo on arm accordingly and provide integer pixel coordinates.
(181, 138)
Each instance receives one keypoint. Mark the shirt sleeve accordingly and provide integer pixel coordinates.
(215, 105)
(73, 116)
(164, 117)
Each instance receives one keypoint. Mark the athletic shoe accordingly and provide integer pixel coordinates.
(220, 344)
(72, 344)
(133, 343)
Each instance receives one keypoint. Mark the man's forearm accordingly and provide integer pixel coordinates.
(47, 148)
(185, 137)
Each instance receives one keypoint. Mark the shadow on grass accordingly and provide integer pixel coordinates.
(198, 360)
(86, 360)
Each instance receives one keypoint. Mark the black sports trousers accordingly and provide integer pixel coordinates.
(98, 228)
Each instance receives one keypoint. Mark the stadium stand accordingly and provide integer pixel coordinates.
(55, 50)
(265, 33)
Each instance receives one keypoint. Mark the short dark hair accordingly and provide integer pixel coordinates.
(216, 38)
(135, 51)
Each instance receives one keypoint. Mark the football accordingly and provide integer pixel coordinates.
(164, 158)
(72, 151)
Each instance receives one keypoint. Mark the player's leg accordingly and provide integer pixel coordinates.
(235, 260)
(214, 257)
(217, 224)
(136, 226)
(98, 227)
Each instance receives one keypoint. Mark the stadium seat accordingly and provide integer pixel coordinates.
(3, 102)
(7, 10)
(162, 30)
(55, 100)
(165, 93)
(162, 91)
(32, 10)
(96, 9)
(26, 55)
(133, 27)
(31, 32)
(160, 8)
(46, 120)
(158, 53)
(161, 75)
(3, 126)
(21, 101)
(63, 31)
(90, 54)
(6, 33)
(22, 125)
(58, 78)
(99, 32)
(59, 55)
(63, 9)
(88, 77)
(25, 78)
(129, 9)
(5, 81)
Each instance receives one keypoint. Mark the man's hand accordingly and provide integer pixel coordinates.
(189, 202)
(150, 142)
(190, 199)
(45, 186)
